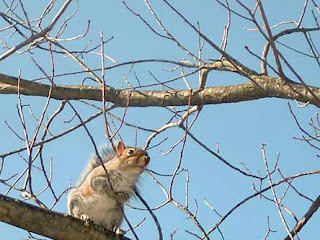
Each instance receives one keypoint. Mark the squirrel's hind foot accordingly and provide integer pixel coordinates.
(118, 231)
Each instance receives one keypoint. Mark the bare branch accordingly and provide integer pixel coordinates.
(273, 87)
(46, 223)
(303, 221)
(38, 35)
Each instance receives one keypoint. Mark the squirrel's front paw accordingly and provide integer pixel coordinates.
(87, 220)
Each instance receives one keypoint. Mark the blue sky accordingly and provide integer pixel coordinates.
(239, 129)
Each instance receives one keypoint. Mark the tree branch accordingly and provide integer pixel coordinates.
(271, 87)
(37, 35)
(50, 224)
(303, 221)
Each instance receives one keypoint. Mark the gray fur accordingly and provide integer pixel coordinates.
(106, 155)
(99, 196)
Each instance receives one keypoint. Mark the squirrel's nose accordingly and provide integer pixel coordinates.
(147, 158)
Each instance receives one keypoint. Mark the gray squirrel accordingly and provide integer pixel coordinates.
(104, 188)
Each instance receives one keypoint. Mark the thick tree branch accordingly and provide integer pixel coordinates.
(262, 87)
(50, 224)
(303, 221)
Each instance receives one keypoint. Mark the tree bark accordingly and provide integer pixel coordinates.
(50, 224)
(262, 87)
(303, 221)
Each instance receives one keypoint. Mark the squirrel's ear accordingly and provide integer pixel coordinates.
(120, 148)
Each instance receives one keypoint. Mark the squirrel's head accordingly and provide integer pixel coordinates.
(133, 157)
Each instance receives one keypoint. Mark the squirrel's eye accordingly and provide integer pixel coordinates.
(130, 152)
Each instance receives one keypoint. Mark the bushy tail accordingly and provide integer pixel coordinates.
(106, 154)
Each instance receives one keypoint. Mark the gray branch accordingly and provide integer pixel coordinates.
(262, 87)
(50, 224)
